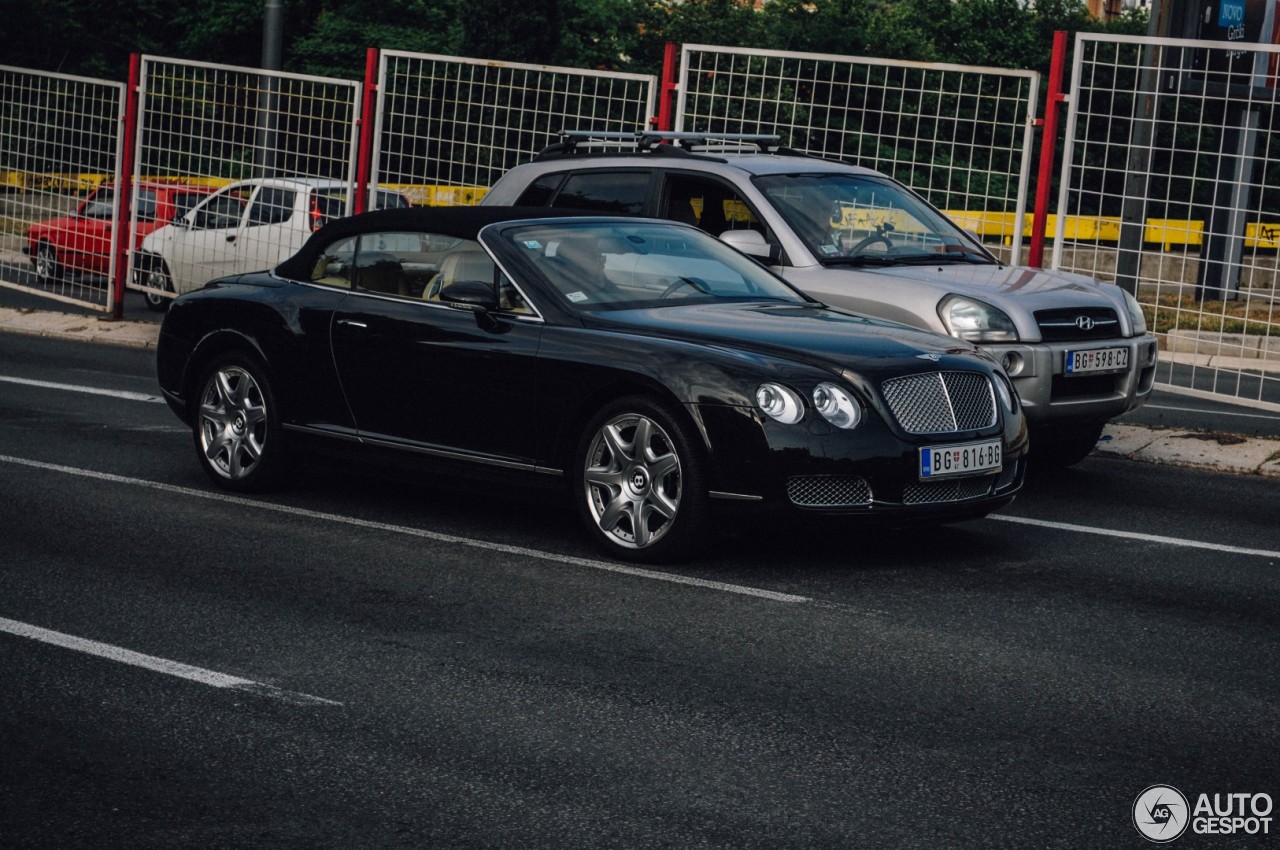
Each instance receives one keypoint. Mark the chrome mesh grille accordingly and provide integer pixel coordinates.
(828, 491)
(929, 492)
(941, 402)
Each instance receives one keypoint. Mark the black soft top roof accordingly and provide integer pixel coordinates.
(462, 222)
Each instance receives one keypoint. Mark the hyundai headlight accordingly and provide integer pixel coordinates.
(836, 406)
(1136, 319)
(781, 403)
(975, 321)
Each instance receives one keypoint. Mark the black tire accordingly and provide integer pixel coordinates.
(48, 267)
(156, 276)
(1060, 449)
(236, 424)
(641, 482)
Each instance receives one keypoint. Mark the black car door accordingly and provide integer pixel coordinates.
(436, 378)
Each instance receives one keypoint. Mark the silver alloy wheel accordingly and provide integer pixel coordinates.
(157, 278)
(233, 423)
(632, 480)
(46, 261)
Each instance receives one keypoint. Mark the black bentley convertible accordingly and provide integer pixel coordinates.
(647, 369)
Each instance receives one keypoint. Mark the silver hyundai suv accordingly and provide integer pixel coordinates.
(1077, 349)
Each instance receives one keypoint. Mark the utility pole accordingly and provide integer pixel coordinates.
(264, 159)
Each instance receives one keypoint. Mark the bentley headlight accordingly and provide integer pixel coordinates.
(836, 406)
(1005, 390)
(781, 403)
(1136, 318)
(975, 321)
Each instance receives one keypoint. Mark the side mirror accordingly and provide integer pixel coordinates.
(474, 295)
(752, 243)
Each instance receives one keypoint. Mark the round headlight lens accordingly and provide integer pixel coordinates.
(975, 321)
(836, 406)
(781, 403)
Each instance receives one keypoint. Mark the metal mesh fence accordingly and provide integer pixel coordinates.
(449, 127)
(60, 139)
(1171, 187)
(959, 135)
(264, 158)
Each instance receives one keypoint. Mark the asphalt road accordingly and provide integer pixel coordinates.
(364, 661)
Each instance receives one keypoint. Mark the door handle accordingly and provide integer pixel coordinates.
(351, 323)
(231, 238)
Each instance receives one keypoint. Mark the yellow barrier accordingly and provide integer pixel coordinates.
(1166, 232)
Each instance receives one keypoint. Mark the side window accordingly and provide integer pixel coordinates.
(147, 205)
(184, 201)
(222, 211)
(540, 191)
(272, 206)
(709, 204)
(334, 266)
(618, 192)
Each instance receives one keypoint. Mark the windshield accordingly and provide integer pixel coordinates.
(595, 265)
(865, 219)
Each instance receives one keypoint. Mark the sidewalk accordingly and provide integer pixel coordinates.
(1181, 447)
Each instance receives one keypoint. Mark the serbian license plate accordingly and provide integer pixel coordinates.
(1097, 360)
(963, 459)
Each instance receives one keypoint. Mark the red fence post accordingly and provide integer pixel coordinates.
(1048, 151)
(124, 191)
(667, 88)
(364, 163)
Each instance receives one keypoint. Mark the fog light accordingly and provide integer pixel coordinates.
(1012, 363)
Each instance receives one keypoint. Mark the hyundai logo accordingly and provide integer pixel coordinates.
(1084, 323)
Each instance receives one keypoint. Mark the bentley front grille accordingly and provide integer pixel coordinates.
(956, 490)
(828, 491)
(941, 402)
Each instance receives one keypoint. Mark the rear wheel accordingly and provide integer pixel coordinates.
(641, 487)
(237, 424)
(47, 266)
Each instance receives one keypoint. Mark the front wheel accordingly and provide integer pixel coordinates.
(157, 277)
(48, 269)
(642, 488)
(237, 424)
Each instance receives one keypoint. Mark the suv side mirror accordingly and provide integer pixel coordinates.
(752, 243)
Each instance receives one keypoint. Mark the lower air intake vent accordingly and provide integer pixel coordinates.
(828, 491)
(957, 490)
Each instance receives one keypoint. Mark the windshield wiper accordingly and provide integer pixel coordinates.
(862, 260)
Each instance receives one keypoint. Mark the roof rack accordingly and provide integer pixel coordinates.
(652, 141)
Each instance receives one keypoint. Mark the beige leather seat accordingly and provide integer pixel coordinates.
(464, 265)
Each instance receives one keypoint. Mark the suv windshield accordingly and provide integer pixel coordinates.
(866, 220)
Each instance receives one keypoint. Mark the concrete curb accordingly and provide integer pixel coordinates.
(1203, 450)
(82, 328)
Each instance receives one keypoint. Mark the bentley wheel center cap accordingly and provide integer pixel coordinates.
(638, 478)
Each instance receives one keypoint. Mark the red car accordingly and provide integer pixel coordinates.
(82, 241)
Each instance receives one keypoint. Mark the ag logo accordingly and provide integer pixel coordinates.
(1160, 813)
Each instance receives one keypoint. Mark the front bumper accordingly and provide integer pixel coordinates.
(1049, 395)
(870, 472)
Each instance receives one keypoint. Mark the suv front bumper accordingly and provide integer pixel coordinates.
(1050, 395)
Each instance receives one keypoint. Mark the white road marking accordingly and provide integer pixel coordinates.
(77, 388)
(590, 563)
(1137, 535)
(159, 665)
